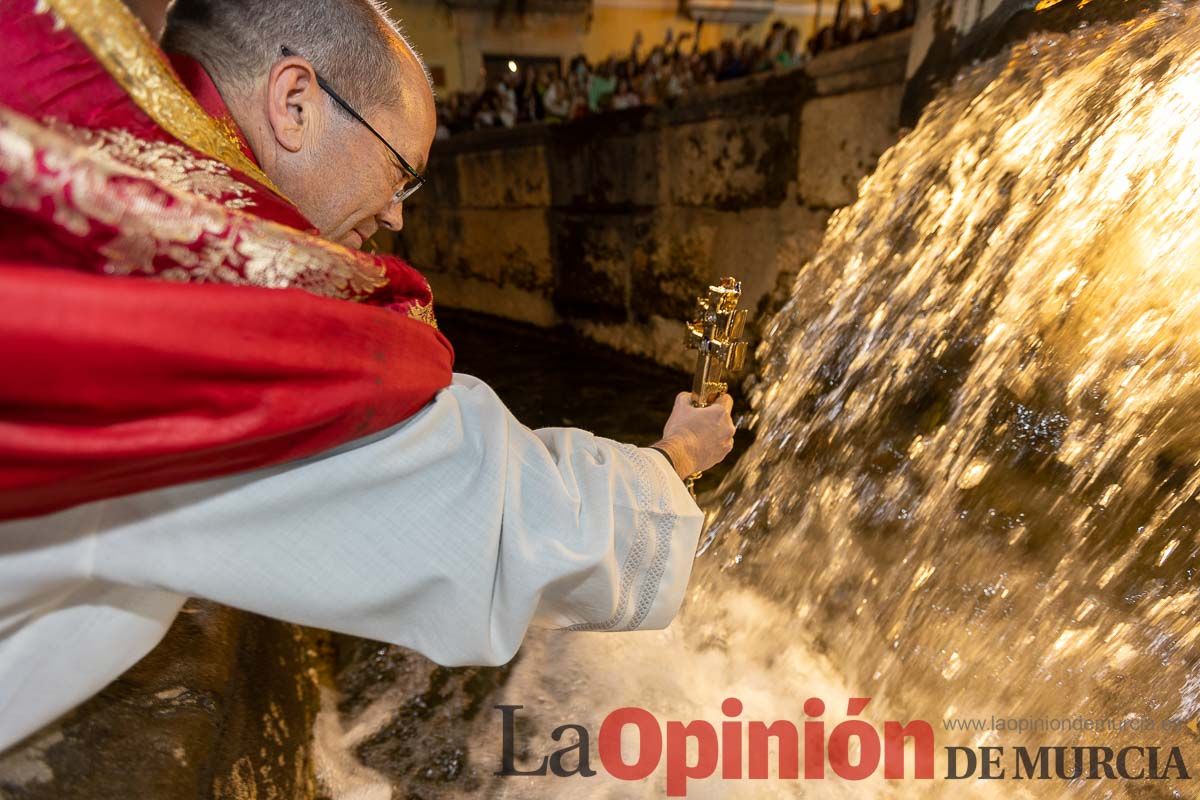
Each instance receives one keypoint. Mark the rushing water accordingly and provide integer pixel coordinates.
(973, 490)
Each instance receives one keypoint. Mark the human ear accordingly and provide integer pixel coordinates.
(292, 100)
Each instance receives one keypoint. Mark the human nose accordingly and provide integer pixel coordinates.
(393, 217)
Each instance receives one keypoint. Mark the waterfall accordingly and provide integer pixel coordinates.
(975, 478)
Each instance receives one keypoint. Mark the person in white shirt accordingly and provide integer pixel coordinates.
(450, 533)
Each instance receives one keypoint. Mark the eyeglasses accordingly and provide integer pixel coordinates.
(418, 180)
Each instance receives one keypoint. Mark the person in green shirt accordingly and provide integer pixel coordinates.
(601, 86)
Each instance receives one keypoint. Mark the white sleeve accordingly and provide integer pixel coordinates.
(450, 533)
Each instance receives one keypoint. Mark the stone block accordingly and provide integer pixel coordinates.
(865, 65)
(841, 139)
(757, 245)
(685, 250)
(428, 234)
(508, 302)
(671, 261)
(592, 169)
(222, 708)
(504, 247)
(659, 339)
(441, 181)
(729, 163)
(594, 254)
(503, 178)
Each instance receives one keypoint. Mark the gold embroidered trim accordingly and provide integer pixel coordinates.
(123, 46)
(166, 163)
(137, 221)
(423, 313)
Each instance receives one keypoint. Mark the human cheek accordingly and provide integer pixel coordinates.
(347, 209)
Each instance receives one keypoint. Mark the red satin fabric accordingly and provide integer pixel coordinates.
(116, 385)
(46, 72)
(111, 385)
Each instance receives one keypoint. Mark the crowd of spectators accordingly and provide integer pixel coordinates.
(668, 71)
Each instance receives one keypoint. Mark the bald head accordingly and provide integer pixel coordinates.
(269, 58)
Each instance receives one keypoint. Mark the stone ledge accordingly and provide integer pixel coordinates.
(858, 66)
(509, 302)
(863, 55)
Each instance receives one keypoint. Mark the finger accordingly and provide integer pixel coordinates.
(726, 401)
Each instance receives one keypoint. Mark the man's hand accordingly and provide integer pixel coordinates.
(698, 438)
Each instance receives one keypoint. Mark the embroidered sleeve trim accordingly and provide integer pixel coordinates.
(648, 554)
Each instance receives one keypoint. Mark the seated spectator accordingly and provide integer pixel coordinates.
(669, 72)
(487, 110)
(625, 96)
(443, 124)
(529, 96)
(601, 85)
(506, 93)
(773, 45)
(577, 87)
(679, 80)
(732, 66)
(557, 100)
(751, 57)
(790, 55)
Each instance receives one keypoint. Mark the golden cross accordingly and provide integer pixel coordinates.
(716, 335)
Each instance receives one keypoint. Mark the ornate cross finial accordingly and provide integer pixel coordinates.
(716, 335)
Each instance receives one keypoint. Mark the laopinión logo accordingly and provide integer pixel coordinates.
(808, 752)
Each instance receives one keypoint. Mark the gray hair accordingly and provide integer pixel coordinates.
(353, 44)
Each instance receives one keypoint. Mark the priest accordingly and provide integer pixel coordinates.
(212, 392)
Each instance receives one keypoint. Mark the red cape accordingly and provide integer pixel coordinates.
(165, 314)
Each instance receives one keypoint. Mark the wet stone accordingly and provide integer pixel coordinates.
(222, 708)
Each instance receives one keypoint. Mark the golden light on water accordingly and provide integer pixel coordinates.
(1042, 5)
(985, 392)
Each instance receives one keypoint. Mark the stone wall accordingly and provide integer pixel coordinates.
(222, 708)
(614, 223)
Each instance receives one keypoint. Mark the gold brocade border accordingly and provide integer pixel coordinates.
(423, 313)
(139, 225)
(123, 46)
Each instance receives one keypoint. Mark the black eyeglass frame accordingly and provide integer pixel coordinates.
(418, 179)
